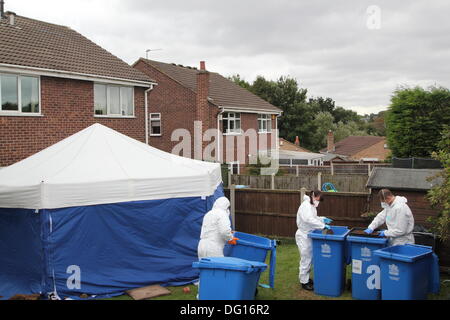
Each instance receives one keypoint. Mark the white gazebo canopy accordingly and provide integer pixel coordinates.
(99, 165)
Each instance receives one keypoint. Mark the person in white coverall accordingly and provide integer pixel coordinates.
(398, 218)
(216, 230)
(307, 221)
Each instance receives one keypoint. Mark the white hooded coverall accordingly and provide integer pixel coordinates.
(216, 230)
(307, 221)
(399, 221)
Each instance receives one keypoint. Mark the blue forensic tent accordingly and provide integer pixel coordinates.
(99, 213)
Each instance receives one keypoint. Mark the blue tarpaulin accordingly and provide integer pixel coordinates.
(101, 250)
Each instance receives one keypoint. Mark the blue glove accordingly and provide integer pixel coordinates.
(381, 234)
(368, 231)
(327, 220)
(327, 227)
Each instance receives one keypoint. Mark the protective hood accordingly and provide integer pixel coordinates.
(222, 203)
(400, 200)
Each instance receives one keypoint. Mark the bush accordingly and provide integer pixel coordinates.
(439, 195)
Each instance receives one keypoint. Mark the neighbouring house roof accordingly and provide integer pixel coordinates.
(331, 156)
(222, 91)
(289, 154)
(45, 46)
(287, 145)
(354, 144)
(403, 179)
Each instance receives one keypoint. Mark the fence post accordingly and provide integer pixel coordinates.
(232, 200)
(302, 194)
(332, 168)
(273, 181)
(368, 169)
(296, 170)
(319, 181)
(229, 177)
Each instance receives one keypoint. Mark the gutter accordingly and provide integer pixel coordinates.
(260, 111)
(72, 75)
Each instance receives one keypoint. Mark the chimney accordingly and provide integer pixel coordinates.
(202, 107)
(330, 142)
(297, 141)
(12, 18)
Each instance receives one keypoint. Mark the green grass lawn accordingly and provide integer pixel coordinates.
(286, 281)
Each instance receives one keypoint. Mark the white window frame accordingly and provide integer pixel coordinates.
(231, 164)
(108, 105)
(155, 119)
(19, 97)
(267, 118)
(231, 117)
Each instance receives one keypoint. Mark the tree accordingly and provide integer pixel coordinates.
(376, 124)
(236, 78)
(414, 120)
(309, 119)
(439, 195)
(323, 122)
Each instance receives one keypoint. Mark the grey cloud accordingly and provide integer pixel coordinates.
(326, 45)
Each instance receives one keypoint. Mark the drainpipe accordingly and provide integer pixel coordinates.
(219, 136)
(2, 9)
(146, 112)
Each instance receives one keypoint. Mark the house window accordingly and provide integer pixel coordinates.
(234, 167)
(19, 94)
(110, 100)
(155, 124)
(231, 122)
(264, 123)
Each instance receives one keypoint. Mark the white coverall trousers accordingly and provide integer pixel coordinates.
(210, 248)
(305, 248)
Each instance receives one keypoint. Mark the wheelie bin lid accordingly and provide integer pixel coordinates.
(339, 234)
(405, 253)
(252, 240)
(230, 263)
(371, 239)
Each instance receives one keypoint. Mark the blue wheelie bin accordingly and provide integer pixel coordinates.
(329, 261)
(254, 248)
(366, 276)
(408, 272)
(227, 278)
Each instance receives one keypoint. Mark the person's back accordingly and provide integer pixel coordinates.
(216, 230)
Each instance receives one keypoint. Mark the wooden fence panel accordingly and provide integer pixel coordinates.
(343, 183)
(273, 212)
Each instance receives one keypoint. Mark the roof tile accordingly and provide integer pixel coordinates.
(39, 44)
(222, 91)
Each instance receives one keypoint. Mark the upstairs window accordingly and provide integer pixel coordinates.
(19, 94)
(264, 123)
(231, 122)
(111, 100)
(155, 124)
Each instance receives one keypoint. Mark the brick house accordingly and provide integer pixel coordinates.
(185, 95)
(55, 82)
(356, 148)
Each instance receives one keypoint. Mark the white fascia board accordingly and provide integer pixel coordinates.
(72, 75)
(259, 111)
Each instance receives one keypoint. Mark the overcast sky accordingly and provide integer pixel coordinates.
(346, 50)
